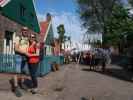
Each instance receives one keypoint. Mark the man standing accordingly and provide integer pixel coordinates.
(21, 44)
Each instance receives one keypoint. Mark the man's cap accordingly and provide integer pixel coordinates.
(24, 29)
(33, 35)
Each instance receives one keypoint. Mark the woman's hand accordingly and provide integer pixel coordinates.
(28, 55)
(31, 55)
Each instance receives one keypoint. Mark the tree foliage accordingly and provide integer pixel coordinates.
(61, 34)
(95, 13)
(108, 17)
(130, 2)
(119, 25)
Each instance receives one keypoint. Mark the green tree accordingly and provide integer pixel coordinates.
(61, 34)
(108, 17)
(95, 13)
(120, 28)
(130, 2)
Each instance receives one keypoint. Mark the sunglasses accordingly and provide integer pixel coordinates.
(32, 37)
(24, 31)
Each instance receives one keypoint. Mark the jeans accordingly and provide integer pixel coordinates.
(23, 61)
(33, 74)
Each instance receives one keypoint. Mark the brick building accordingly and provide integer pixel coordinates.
(13, 16)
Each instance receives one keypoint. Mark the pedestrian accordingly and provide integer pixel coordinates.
(92, 60)
(33, 60)
(21, 44)
(104, 58)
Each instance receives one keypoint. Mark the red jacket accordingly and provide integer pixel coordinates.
(32, 50)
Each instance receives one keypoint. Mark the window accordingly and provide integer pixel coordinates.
(32, 26)
(45, 49)
(22, 11)
(31, 16)
(8, 37)
(31, 19)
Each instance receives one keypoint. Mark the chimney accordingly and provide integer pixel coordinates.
(48, 17)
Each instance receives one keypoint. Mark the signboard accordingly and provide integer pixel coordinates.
(4, 2)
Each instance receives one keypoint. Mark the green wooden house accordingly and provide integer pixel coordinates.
(47, 35)
(13, 16)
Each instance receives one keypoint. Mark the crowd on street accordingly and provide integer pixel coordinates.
(93, 58)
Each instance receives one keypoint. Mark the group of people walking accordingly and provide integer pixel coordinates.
(93, 58)
(97, 57)
(27, 47)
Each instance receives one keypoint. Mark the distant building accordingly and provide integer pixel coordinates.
(67, 46)
(92, 38)
(80, 46)
(76, 46)
(13, 16)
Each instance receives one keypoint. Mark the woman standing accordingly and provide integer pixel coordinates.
(33, 60)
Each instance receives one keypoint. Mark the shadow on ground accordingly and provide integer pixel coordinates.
(5, 87)
(120, 74)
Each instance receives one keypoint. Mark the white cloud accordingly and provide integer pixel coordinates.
(71, 22)
(41, 17)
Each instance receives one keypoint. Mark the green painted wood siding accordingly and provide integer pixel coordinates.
(50, 37)
(23, 12)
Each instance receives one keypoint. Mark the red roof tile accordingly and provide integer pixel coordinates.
(43, 29)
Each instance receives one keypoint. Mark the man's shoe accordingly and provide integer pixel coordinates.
(18, 92)
(11, 81)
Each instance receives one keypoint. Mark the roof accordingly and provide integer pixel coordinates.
(43, 30)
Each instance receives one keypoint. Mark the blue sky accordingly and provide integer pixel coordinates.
(63, 12)
(44, 6)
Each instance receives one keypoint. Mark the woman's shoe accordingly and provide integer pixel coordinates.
(34, 90)
(24, 86)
